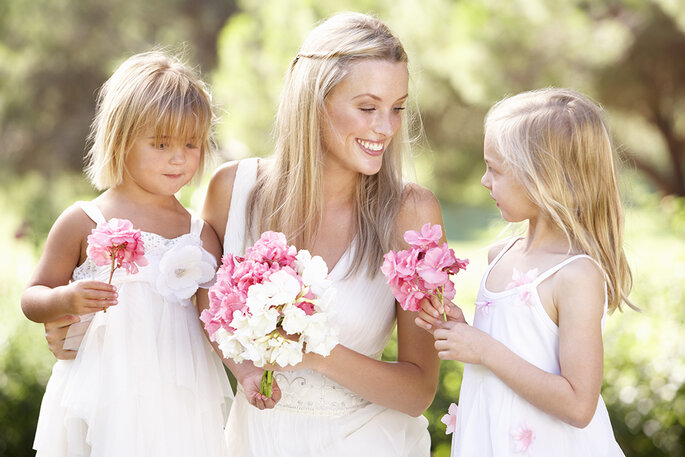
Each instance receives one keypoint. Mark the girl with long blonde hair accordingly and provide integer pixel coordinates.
(533, 356)
(334, 186)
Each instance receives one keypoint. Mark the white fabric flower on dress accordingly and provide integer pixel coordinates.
(181, 271)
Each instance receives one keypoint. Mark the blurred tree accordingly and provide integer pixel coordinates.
(467, 54)
(649, 82)
(54, 56)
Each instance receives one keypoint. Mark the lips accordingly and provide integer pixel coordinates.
(373, 148)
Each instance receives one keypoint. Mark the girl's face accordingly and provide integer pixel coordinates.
(363, 114)
(163, 167)
(507, 191)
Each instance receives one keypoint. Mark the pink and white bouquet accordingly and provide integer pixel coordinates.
(117, 244)
(423, 270)
(271, 306)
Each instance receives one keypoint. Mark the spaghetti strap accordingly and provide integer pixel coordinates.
(499, 255)
(547, 273)
(196, 225)
(92, 211)
(245, 179)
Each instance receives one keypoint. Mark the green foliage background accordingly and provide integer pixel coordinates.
(465, 54)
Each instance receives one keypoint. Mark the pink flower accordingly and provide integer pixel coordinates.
(428, 237)
(272, 247)
(524, 282)
(118, 244)
(483, 306)
(521, 279)
(450, 419)
(434, 265)
(523, 438)
(422, 270)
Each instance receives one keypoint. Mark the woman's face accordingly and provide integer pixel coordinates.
(363, 113)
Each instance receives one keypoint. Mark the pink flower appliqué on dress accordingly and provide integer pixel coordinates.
(450, 419)
(523, 438)
(523, 282)
(483, 306)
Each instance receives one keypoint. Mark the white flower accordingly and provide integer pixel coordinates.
(230, 346)
(286, 288)
(285, 352)
(263, 322)
(294, 319)
(326, 300)
(259, 296)
(319, 336)
(313, 270)
(181, 270)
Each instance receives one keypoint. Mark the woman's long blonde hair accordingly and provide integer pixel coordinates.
(152, 90)
(558, 144)
(289, 196)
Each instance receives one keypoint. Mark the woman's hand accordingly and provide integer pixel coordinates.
(431, 314)
(56, 333)
(251, 381)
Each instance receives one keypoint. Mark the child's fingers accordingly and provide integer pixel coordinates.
(423, 324)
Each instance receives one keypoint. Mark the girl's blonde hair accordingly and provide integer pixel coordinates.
(557, 143)
(289, 196)
(151, 90)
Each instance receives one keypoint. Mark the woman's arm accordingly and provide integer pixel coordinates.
(215, 213)
(409, 384)
(49, 295)
(571, 396)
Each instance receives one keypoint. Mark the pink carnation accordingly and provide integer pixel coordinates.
(428, 237)
(118, 244)
(422, 270)
(272, 247)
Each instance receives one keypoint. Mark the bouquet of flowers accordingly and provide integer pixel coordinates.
(423, 270)
(270, 306)
(117, 244)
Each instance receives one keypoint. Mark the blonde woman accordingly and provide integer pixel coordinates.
(534, 354)
(334, 186)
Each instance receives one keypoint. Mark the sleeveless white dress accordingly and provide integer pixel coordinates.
(316, 416)
(494, 421)
(145, 381)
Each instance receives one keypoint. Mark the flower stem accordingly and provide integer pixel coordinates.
(267, 382)
(444, 310)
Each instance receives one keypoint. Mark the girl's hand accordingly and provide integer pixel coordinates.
(459, 341)
(251, 382)
(85, 297)
(431, 314)
(56, 333)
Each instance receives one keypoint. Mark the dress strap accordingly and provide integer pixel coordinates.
(245, 179)
(546, 274)
(92, 211)
(196, 225)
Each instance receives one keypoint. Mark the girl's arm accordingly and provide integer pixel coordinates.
(570, 396)
(49, 295)
(409, 384)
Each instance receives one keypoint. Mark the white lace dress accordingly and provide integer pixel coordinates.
(145, 381)
(316, 416)
(494, 421)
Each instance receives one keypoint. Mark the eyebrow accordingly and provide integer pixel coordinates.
(376, 97)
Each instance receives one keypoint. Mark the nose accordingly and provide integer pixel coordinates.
(387, 123)
(485, 181)
(178, 154)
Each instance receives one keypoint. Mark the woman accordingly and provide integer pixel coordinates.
(334, 186)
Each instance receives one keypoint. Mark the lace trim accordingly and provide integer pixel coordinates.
(308, 392)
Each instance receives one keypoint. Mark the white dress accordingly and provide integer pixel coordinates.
(145, 381)
(316, 416)
(494, 421)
